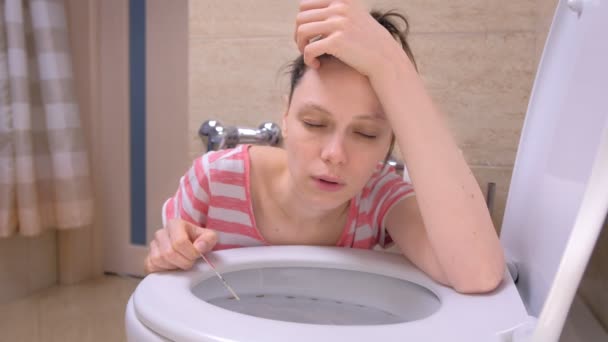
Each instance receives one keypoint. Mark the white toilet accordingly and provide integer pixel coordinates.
(306, 293)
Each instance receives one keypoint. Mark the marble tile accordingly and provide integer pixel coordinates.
(541, 41)
(546, 11)
(455, 16)
(19, 320)
(482, 84)
(89, 311)
(510, 16)
(242, 18)
(438, 15)
(237, 81)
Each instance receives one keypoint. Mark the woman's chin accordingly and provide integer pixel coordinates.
(324, 201)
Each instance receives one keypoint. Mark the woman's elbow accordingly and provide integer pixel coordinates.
(482, 282)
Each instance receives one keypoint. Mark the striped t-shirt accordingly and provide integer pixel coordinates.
(215, 193)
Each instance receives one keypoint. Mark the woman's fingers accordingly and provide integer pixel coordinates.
(169, 253)
(181, 240)
(155, 261)
(178, 245)
(306, 5)
(203, 239)
(346, 30)
(314, 15)
(318, 48)
(206, 240)
(318, 30)
(319, 24)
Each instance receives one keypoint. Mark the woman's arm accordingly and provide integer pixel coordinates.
(183, 237)
(453, 221)
(448, 216)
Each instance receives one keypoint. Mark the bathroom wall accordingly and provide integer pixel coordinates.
(477, 57)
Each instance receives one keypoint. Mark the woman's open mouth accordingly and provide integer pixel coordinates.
(328, 184)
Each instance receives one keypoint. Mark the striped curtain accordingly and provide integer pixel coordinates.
(44, 169)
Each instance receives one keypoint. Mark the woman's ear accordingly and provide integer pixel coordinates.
(284, 125)
(284, 117)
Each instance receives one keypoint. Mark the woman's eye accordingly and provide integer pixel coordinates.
(367, 136)
(313, 124)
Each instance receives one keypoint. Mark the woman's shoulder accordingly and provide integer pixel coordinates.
(239, 159)
(267, 158)
(239, 152)
(219, 163)
(242, 159)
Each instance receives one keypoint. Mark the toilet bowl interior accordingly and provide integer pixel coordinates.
(320, 296)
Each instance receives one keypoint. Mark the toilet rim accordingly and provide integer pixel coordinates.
(169, 314)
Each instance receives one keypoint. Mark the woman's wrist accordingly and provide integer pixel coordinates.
(396, 83)
(397, 71)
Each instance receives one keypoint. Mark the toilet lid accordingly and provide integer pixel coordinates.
(567, 113)
(170, 303)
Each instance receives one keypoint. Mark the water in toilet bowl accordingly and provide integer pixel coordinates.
(309, 310)
(321, 296)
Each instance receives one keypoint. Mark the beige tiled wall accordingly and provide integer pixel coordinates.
(477, 57)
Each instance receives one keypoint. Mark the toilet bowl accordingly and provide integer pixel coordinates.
(306, 293)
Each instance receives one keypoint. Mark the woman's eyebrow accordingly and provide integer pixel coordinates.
(374, 117)
(313, 107)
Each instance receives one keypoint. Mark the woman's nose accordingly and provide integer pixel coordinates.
(333, 151)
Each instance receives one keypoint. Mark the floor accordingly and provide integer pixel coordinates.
(88, 312)
(94, 311)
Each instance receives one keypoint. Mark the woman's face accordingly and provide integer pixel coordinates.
(335, 134)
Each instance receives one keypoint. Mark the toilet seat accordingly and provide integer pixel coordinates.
(180, 315)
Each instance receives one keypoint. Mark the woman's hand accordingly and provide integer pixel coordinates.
(178, 245)
(345, 30)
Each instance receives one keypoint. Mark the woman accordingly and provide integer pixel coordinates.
(354, 93)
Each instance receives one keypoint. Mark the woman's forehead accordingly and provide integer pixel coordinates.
(311, 107)
(336, 87)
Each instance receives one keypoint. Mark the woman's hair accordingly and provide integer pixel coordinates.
(389, 20)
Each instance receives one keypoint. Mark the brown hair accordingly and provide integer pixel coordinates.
(388, 20)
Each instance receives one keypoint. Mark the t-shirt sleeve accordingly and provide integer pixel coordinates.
(191, 201)
(389, 189)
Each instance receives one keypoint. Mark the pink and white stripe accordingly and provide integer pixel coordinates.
(215, 193)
